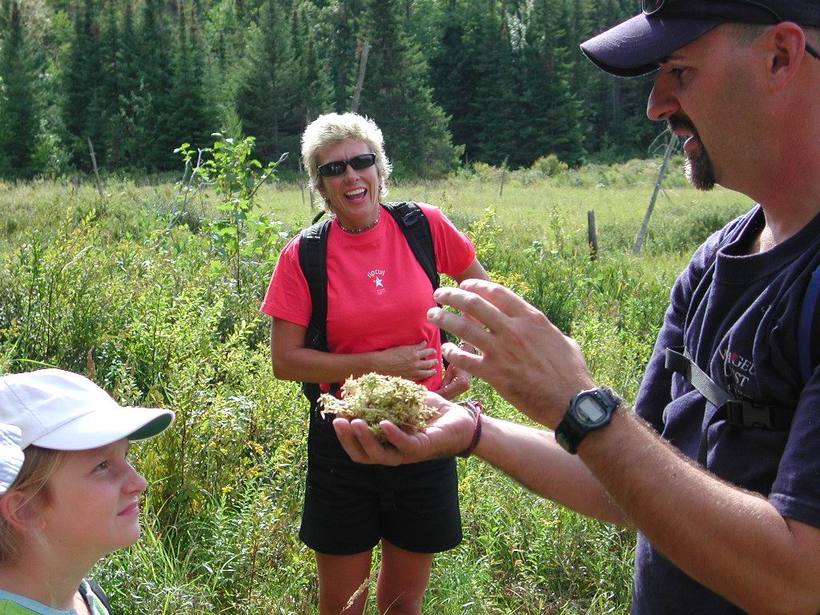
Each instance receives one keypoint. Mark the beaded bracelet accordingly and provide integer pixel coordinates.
(475, 408)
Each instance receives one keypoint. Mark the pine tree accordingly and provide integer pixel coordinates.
(226, 41)
(454, 76)
(109, 89)
(342, 48)
(493, 117)
(616, 126)
(191, 119)
(18, 104)
(397, 95)
(82, 107)
(267, 96)
(133, 101)
(551, 113)
(154, 62)
(314, 90)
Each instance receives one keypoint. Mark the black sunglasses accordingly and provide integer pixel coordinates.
(650, 7)
(337, 167)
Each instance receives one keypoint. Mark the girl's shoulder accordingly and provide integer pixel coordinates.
(12, 607)
(15, 604)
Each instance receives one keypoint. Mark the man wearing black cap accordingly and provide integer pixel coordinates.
(718, 467)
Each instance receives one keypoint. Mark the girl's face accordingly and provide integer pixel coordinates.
(93, 501)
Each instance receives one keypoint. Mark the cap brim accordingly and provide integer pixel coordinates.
(636, 46)
(103, 427)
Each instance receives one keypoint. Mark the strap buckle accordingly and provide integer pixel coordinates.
(748, 414)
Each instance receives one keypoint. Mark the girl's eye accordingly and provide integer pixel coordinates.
(102, 466)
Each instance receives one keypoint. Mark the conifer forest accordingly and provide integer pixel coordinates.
(450, 82)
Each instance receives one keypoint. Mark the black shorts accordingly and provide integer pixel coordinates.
(350, 507)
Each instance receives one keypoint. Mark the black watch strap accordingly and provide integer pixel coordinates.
(578, 422)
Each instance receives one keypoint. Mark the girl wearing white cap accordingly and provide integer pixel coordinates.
(69, 493)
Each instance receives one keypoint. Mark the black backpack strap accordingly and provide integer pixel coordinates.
(313, 261)
(678, 360)
(808, 312)
(738, 412)
(99, 593)
(416, 229)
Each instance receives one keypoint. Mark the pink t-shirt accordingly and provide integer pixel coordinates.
(378, 294)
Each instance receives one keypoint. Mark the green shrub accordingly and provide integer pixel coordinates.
(549, 166)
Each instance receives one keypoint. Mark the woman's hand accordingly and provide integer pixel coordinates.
(455, 382)
(415, 361)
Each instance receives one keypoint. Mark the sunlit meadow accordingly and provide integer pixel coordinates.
(141, 289)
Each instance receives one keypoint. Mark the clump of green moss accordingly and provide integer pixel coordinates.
(376, 398)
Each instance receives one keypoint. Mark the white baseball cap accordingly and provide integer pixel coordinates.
(11, 456)
(64, 411)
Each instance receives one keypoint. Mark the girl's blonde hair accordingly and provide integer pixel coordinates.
(38, 468)
(332, 128)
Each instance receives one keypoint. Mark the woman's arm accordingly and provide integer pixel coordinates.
(456, 381)
(473, 271)
(293, 361)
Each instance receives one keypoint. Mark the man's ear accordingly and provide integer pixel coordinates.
(786, 51)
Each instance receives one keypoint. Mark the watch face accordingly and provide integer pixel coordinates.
(589, 410)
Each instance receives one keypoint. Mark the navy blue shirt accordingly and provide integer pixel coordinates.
(737, 314)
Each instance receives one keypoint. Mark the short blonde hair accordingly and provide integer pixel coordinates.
(38, 468)
(332, 128)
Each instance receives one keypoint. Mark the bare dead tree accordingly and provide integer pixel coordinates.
(670, 147)
(94, 166)
(357, 93)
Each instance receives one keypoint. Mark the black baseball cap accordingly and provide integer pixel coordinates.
(637, 45)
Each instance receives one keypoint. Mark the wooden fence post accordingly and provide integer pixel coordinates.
(503, 177)
(592, 235)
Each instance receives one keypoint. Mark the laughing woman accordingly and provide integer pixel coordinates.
(378, 295)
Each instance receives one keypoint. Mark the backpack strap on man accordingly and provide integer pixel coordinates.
(745, 413)
(804, 333)
(740, 412)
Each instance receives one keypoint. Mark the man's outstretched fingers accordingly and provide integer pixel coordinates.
(466, 328)
(476, 310)
(505, 300)
(470, 362)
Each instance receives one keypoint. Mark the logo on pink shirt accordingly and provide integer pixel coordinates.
(377, 275)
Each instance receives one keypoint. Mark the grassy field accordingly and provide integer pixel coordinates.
(138, 290)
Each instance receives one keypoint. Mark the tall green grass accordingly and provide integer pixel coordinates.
(134, 292)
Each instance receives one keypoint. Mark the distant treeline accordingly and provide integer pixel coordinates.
(448, 81)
